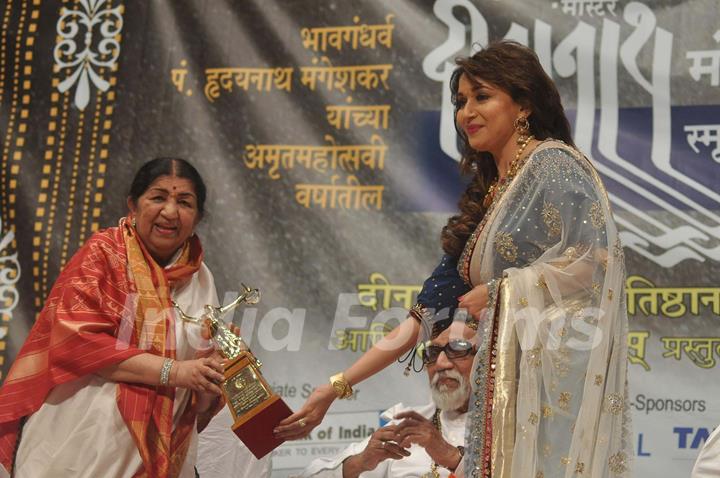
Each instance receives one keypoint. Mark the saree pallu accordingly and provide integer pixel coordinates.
(96, 315)
(549, 382)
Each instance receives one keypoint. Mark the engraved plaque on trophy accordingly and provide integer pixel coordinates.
(255, 408)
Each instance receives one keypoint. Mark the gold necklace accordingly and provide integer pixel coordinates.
(498, 186)
(433, 473)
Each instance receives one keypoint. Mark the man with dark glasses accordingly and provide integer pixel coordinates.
(420, 441)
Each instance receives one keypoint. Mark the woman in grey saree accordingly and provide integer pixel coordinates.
(534, 260)
(549, 396)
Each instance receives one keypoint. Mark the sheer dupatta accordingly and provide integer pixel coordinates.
(550, 392)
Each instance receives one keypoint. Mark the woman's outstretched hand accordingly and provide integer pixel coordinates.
(301, 423)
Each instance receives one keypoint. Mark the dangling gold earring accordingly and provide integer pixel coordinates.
(134, 222)
(522, 126)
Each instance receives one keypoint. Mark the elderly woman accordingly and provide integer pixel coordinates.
(109, 383)
(535, 261)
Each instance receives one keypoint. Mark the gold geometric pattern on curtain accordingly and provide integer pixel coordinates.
(17, 43)
(62, 188)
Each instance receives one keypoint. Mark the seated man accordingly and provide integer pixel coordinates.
(421, 441)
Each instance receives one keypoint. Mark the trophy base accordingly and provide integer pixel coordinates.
(256, 409)
(257, 432)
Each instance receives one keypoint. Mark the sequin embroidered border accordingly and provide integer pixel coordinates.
(479, 434)
(464, 261)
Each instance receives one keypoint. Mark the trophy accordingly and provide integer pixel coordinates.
(255, 408)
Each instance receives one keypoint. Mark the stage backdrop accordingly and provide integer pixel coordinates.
(324, 131)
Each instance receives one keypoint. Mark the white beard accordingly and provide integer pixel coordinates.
(450, 399)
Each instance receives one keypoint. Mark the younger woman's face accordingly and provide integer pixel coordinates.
(486, 114)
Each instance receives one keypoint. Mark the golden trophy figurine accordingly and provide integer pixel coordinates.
(255, 408)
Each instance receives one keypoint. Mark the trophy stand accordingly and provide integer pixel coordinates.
(255, 408)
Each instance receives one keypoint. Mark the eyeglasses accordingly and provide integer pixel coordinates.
(454, 349)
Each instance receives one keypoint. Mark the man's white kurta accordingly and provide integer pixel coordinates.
(415, 465)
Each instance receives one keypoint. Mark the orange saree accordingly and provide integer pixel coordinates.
(111, 302)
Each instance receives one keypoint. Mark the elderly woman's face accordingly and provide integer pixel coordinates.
(166, 214)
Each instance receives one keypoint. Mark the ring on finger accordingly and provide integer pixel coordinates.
(302, 423)
(382, 443)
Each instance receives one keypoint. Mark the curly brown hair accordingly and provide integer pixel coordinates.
(515, 69)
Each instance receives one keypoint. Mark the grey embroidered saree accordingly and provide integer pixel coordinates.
(550, 393)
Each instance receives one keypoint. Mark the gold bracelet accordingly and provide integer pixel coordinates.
(341, 386)
(418, 312)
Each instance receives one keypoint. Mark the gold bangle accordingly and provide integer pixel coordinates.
(418, 312)
(341, 386)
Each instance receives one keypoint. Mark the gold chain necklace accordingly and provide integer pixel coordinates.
(433, 473)
(498, 186)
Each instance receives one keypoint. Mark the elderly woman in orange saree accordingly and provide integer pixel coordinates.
(108, 383)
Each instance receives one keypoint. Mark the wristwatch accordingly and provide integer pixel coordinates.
(461, 450)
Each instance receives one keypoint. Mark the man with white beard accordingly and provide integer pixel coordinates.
(420, 441)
